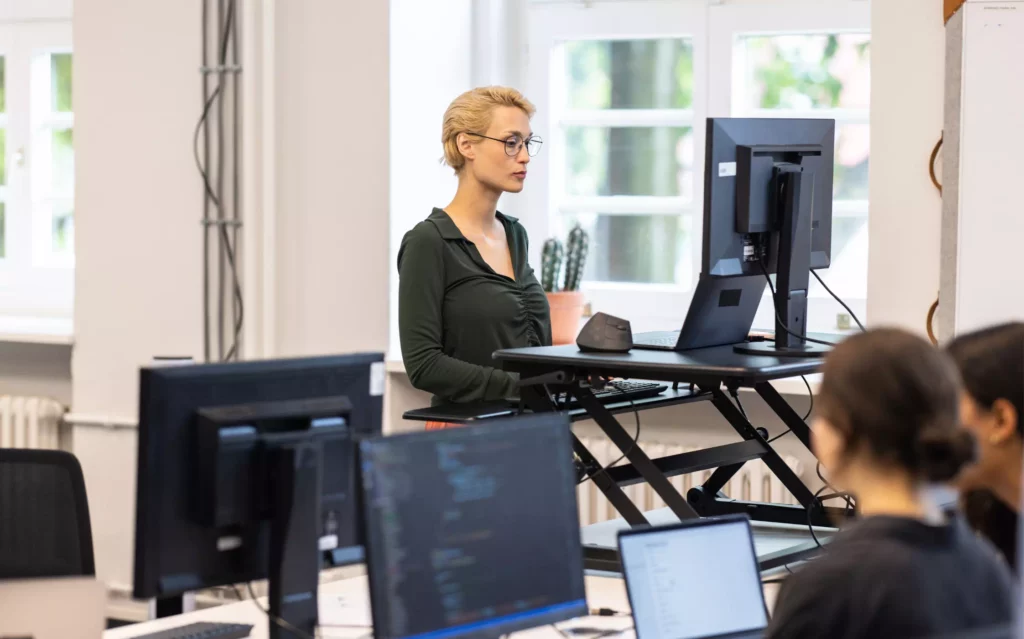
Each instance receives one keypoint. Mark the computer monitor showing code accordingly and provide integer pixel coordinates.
(473, 531)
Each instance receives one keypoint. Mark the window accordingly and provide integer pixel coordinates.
(37, 171)
(623, 112)
(623, 90)
(53, 156)
(628, 148)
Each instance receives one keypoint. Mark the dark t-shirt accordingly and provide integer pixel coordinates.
(896, 577)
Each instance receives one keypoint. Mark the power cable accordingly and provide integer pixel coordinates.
(226, 247)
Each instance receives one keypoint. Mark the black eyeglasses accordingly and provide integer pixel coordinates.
(514, 143)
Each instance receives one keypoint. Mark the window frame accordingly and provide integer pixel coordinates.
(550, 25)
(726, 23)
(713, 28)
(34, 282)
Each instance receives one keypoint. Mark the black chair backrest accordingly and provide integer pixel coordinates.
(44, 515)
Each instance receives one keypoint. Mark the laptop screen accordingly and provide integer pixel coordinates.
(694, 581)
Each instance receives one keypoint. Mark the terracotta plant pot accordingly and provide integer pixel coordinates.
(566, 313)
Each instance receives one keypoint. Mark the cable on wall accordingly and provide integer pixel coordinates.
(223, 284)
(930, 320)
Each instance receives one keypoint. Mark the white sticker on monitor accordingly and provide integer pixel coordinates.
(228, 543)
(727, 169)
(328, 542)
(377, 379)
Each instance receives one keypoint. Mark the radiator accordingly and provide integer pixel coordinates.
(30, 422)
(754, 482)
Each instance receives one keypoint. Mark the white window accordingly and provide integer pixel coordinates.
(619, 87)
(36, 173)
(624, 88)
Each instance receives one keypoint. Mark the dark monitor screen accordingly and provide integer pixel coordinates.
(473, 531)
(176, 551)
(738, 191)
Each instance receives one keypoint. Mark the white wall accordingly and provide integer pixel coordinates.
(427, 72)
(139, 202)
(35, 9)
(138, 239)
(907, 79)
(332, 157)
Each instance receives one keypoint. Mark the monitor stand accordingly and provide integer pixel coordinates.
(294, 571)
(282, 444)
(794, 269)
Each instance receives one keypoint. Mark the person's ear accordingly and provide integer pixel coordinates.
(466, 146)
(1004, 422)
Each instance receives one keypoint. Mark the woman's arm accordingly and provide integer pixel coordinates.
(420, 300)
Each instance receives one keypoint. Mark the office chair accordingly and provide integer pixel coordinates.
(44, 515)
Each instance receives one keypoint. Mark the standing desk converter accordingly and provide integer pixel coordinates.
(706, 371)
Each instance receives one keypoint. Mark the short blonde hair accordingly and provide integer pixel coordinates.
(471, 113)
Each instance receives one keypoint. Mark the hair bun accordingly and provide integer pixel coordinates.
(942, 454)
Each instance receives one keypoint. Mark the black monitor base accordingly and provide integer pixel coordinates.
(769, 349)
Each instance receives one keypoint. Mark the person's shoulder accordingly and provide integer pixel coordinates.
(424, 234)
(424, 239)
(851, 561)
(424, 231)
(981, 553)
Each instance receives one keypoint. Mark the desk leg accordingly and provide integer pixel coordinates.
(789, 417)
(540, 402)
(720, 478)
(641, 462)
(771, 458)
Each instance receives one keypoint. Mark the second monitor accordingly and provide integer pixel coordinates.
(473, 532)
(768, 209)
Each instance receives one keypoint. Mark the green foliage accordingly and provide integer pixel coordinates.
(594, 68)
(790, 71)
(551, 264)
(63, 226)
(60, 68)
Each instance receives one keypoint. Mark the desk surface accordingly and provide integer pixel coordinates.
(720, 362)
(347, 603)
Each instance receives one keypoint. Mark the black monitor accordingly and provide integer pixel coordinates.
(768, 209)
(248, 471)
(473, 531)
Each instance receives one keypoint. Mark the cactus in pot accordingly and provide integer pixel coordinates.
(576, 258)
(566, 303)
(551, 264)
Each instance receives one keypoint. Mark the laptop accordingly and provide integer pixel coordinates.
(694, 580)
(28, 607)
(721, 313)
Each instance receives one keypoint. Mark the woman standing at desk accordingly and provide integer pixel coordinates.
(887, 426)
(466, 288)
(991, 363)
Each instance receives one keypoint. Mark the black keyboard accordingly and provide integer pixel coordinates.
(203, 631)
(622, 391)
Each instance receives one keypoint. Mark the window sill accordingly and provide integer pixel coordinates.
(37, 330)
(394, 365)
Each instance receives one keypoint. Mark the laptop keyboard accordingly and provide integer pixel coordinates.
(668, 340)
(659, 341)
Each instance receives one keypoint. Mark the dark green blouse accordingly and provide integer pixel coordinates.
(454, 310)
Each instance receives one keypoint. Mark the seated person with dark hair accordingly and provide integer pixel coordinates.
(887, 427)
(991, 363)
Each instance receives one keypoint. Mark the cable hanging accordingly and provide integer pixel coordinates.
(220, 209)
